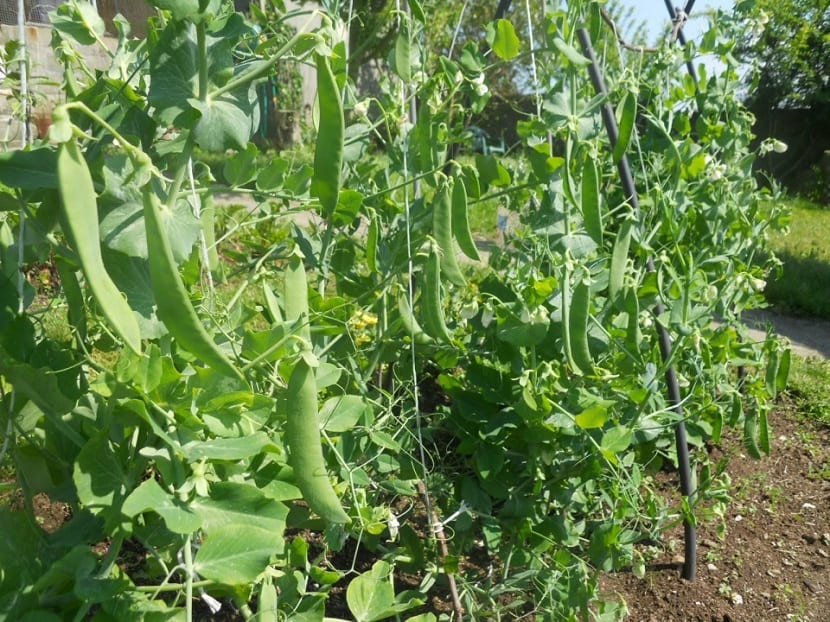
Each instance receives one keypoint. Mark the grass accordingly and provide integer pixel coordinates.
(809, 385)
(803, 286)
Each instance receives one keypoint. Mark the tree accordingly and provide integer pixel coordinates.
(790, 42)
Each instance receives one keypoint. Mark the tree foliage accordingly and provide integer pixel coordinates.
(790, 42)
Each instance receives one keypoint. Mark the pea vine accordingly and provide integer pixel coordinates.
(332, 420)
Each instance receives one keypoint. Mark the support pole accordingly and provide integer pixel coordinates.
(627, 180)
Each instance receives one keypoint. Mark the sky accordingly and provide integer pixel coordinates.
(654, 13)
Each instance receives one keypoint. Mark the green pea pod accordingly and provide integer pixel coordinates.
(434, 322)
(328, 152)
(74, 298)
(591, 214)
(634, 336)
(442, 230)
(751, 435)
(578, 329)
(771, 375)
(619, 262)
(271, 304)
(410, 324)
(461, 222)
(172, 299)
(372, 242)
(79, 220)
(305, 453)
(628, 116)
(295, 294)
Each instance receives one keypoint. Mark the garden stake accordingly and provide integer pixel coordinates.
(624, 170)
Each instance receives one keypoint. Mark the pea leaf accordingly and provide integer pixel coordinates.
(29, 170)
(504, 41)
(227, 448)
(236, 554)
(342, 413)
(592, 417)
(232, 503)
(371, 597)
(149, 496)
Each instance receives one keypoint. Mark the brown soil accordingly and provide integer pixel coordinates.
(773, 562)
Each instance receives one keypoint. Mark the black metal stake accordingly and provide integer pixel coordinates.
(627, 180)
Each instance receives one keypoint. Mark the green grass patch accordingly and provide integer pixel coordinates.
(803, 286)
(809, 385)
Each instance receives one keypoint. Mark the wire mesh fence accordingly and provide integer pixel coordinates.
(35, 11)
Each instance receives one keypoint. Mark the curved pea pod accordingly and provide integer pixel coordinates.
(460, 221)
(442, 230)
(305, 453)
(172, 299)
(434, 323)
(578, 329)
(328, 151)
(410, 324)
(79, 220)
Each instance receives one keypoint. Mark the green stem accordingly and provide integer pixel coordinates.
(188, 586)
(201, 42)
(262, 69)
(171, 587)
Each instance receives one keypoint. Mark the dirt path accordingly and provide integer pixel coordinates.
(808, 337)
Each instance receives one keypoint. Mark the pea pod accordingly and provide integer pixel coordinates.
(410, 324)
(434, 322)
(79, 219)
(328, 151)
(302, 431)
(591, 214)
(305, 453)
(578, 329)
(295, 294)
(372, 242)
(172, 299)
(442, 230)
(619, 262)
(461, 222)
(628, 115)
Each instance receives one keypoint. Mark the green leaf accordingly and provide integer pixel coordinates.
(132, 276)
(241, 167)
(100, 478)
(228, 448)
(236, 554)
(272, 176)
(29, 170)
(79, 21)
(122, 229)
(342, 413)
(232, 503)
(505, 43)
(227, 122)
(371, 597)
(149, 496)
(592, 417)
(570, 52)
(616, 439)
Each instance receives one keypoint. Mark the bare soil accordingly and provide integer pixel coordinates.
(773, 562)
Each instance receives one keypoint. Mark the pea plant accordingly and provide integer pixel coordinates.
(334, 421)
